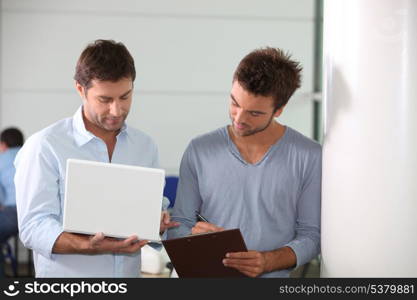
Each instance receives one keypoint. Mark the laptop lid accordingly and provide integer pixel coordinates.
(118, 200)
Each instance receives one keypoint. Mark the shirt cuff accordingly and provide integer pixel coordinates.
(156, 246)
(301, 252)
(165, 203)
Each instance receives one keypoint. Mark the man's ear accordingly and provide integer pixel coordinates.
(80, 89)
(3, 147)
(279, 111)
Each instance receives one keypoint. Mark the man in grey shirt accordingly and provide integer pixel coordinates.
(256, 174)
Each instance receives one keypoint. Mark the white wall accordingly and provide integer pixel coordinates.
(185, 53)
(369, 186)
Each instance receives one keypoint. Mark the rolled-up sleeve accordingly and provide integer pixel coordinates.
(306, 243)
(38, 196)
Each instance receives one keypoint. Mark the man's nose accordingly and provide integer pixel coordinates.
(115, 109)
(240, 117)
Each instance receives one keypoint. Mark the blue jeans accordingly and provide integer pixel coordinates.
(8, 228)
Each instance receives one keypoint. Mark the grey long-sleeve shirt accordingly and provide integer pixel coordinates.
(275, 202)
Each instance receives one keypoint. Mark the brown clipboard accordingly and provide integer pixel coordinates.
(201, 255)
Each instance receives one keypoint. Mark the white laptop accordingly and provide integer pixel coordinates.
(118, 200)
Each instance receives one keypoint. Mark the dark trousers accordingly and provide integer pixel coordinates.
(8, 228)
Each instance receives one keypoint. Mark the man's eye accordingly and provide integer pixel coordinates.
(254, 114)
(124, 98)
(103, 100)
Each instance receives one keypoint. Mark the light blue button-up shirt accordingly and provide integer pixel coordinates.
(7, 190)
(40, 190)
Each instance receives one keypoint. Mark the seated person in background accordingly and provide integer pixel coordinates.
(256, 174)
(11, 140)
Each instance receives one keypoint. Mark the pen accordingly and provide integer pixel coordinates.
(201, 218)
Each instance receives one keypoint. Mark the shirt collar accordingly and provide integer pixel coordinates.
(81, 135)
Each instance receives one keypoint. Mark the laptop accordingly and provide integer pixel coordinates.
(118, 200)
(201, 255)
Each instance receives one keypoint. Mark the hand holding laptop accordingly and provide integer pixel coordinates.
(166, 222)
(101, 243)
(74, 243)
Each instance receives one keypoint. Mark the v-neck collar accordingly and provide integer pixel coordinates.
(235, 151)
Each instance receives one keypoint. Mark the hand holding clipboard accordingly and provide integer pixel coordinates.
(201, 255)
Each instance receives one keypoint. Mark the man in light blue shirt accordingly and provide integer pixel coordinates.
(11, 140)
(104, 80)
(255, 174)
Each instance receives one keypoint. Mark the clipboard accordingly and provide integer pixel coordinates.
(201, 255)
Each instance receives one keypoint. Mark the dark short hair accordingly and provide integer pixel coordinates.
(12, 137)
(104, 60)
(269, 72)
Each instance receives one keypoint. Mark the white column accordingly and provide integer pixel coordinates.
(369, 204)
